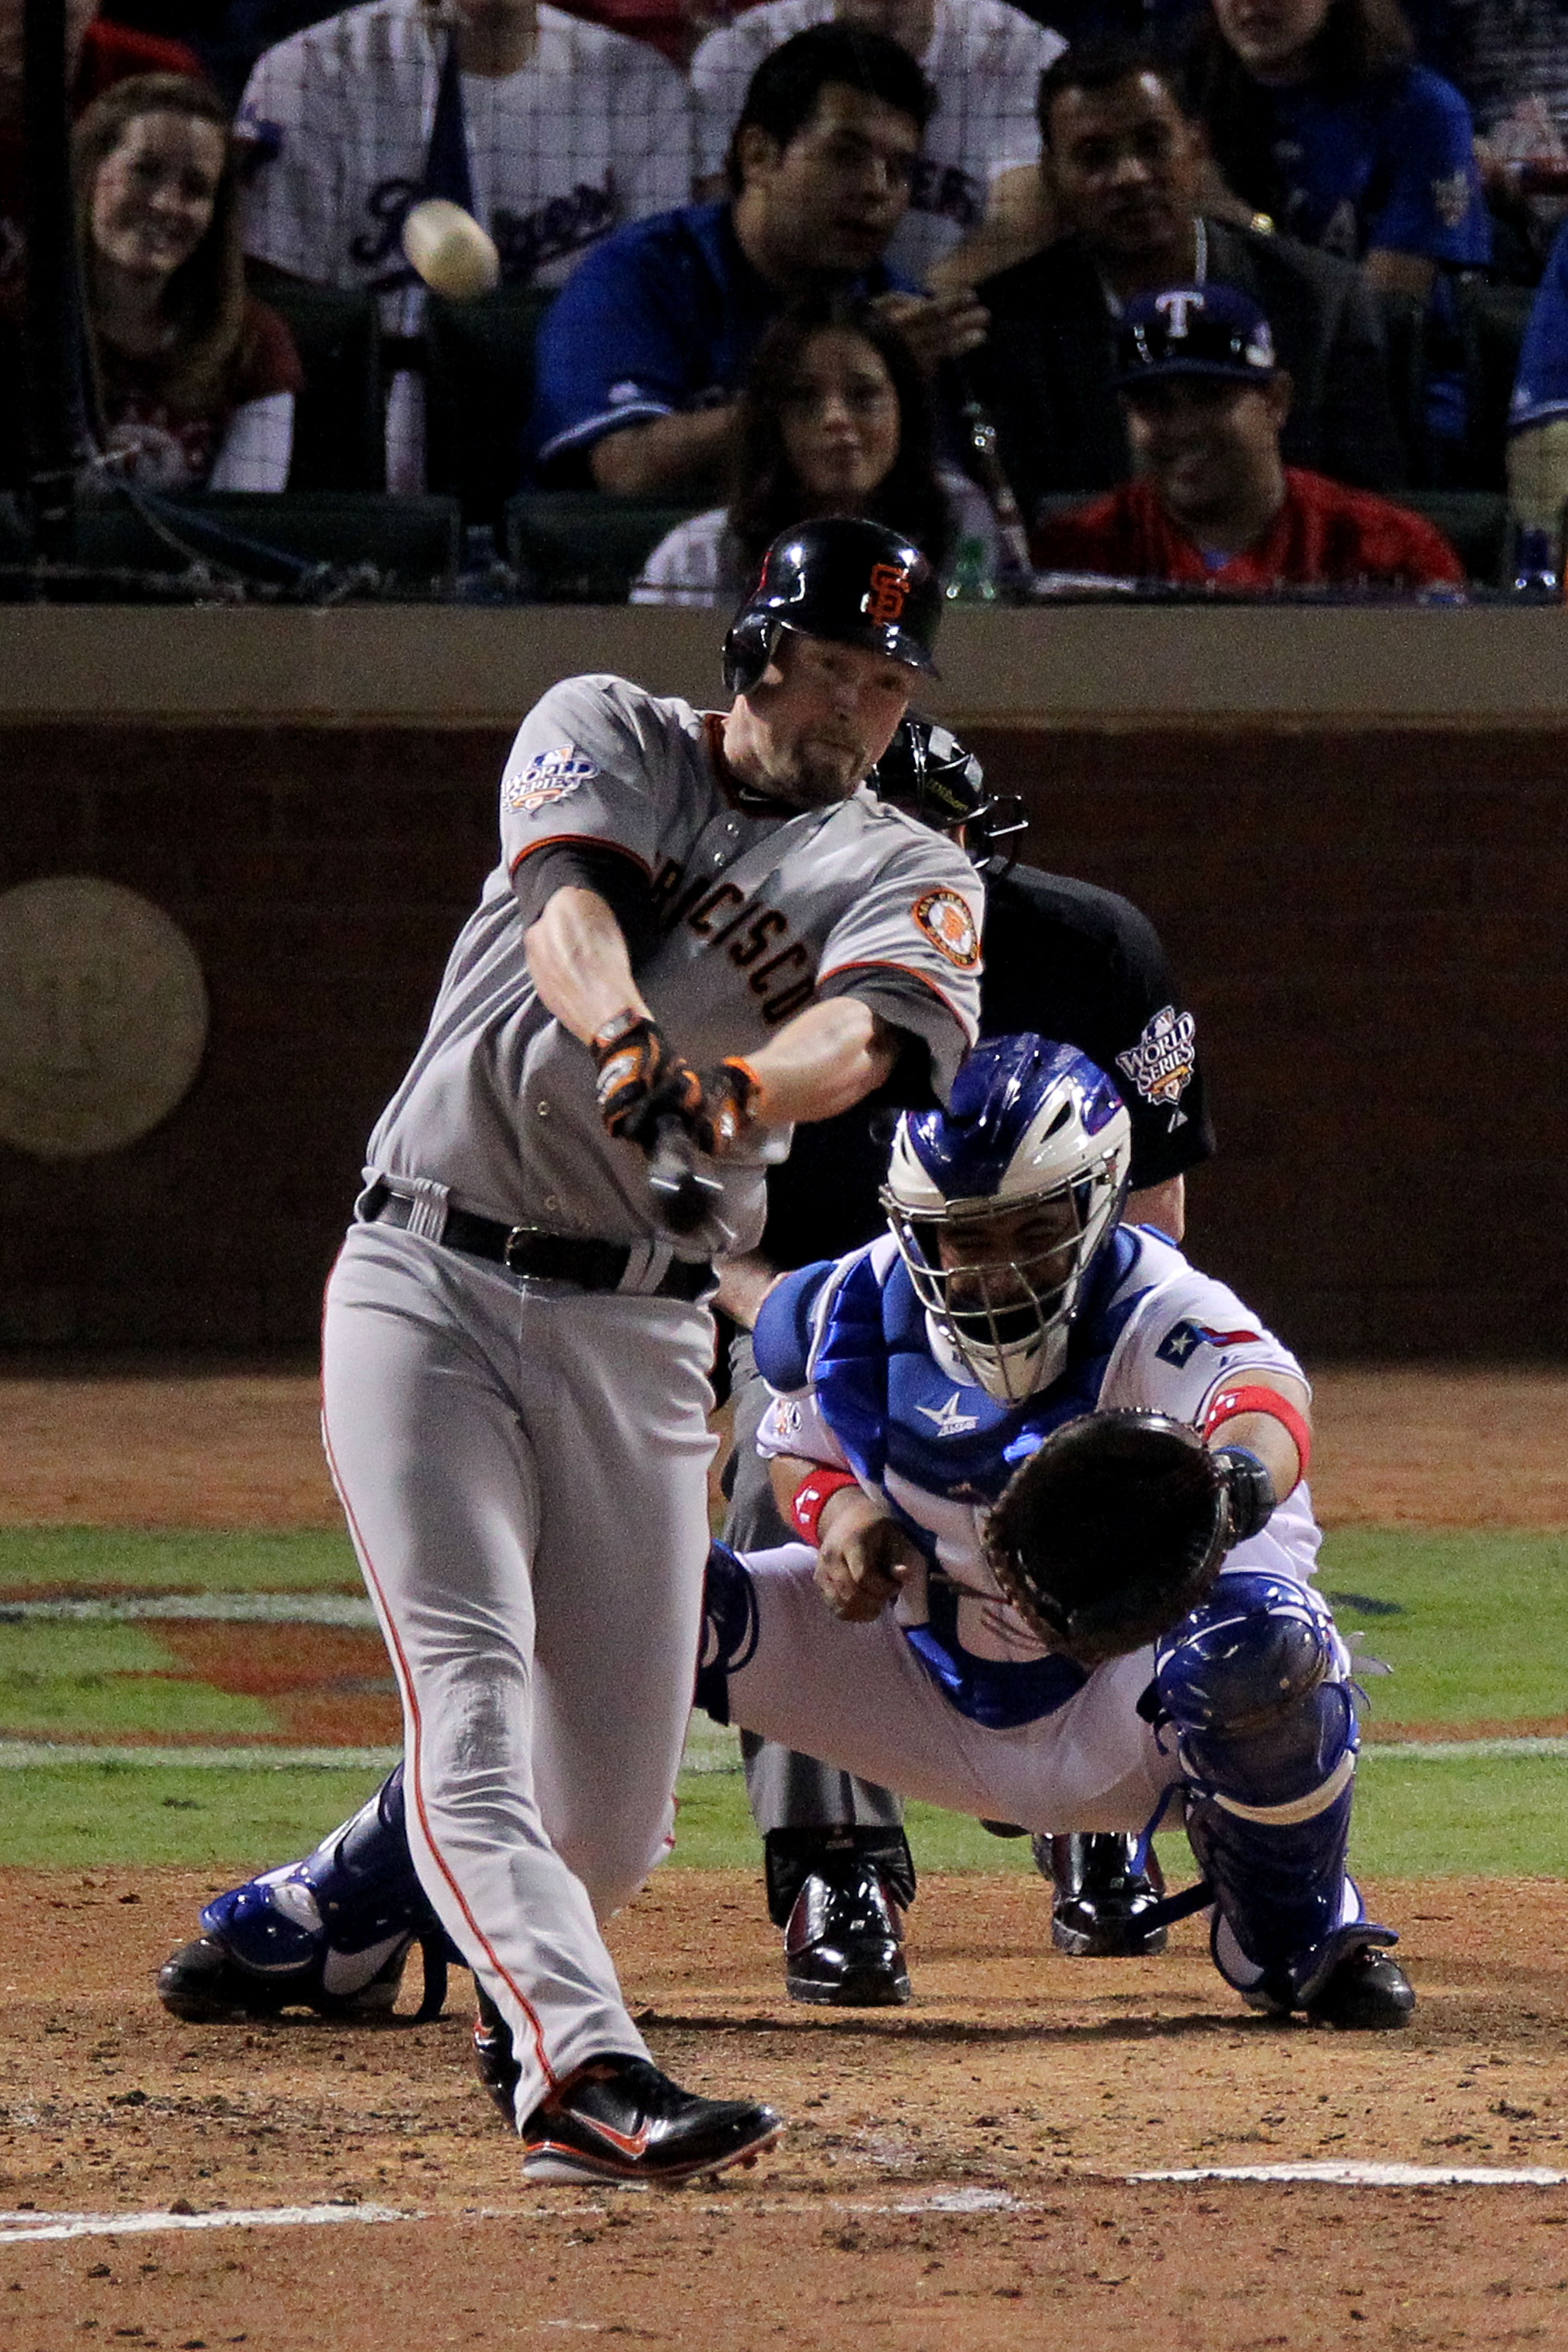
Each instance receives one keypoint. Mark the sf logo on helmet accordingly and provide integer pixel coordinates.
(884, 600)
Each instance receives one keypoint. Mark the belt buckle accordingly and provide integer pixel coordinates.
(516, 1234)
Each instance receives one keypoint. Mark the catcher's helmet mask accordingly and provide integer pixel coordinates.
(931, 776)
(1001, 1204)
(845, 579)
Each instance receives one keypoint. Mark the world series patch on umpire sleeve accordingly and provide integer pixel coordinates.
(549, 777)
(1163, 1064)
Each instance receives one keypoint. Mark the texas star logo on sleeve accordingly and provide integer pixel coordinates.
(945, 919)
(1163, 1063)
(549, 777)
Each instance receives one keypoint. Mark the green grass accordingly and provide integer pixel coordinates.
(65, 1681)
(1481, 1631)
(144, 1560)
(1495, 1817)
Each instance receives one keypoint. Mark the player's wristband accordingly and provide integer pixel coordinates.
(812, 1497)
(1229, 1403)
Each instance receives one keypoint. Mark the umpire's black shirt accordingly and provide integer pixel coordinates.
(1069, 962)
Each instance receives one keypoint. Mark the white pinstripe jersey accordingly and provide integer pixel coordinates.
(595, 130)
(753, 907)
(984, 60)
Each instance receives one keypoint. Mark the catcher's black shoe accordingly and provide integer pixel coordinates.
(203, 1984)
(1103, 1906)
(494, 2057)
(1368, 1992)
(844, 1944)
(619, 2119)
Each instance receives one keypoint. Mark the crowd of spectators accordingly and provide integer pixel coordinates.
(1210, 267)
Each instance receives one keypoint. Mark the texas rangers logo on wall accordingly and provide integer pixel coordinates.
(944, 916)
(1163, 1063)
(549, 777)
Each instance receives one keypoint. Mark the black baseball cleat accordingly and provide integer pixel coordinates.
(844, 1944)
(1368, 1992)
(494, 2057)
(203, 1984)
(1101, 1902)
(619, 2119)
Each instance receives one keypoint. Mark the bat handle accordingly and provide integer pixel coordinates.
(682, 1197)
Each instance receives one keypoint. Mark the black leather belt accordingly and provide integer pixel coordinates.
(552, 1257)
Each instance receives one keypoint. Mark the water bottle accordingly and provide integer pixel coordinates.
(971, 581)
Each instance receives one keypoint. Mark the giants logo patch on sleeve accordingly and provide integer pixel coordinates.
(1163, 1063)
(549, 777)
(944, 916)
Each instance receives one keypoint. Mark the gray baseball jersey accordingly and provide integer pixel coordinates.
(985, 59)
(758, 911)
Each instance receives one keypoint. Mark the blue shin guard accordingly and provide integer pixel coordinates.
(729, 1628)
(333, 1931)
(1267, 1740)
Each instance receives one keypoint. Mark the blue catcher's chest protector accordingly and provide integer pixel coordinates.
(896, 1413)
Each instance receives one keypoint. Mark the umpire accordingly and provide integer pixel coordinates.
(1065, 960)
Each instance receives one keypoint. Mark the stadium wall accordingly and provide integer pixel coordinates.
(1369, 912)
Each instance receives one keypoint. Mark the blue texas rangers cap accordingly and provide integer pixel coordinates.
(1203, 331)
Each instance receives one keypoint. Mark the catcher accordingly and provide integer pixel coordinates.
(1048, 1479)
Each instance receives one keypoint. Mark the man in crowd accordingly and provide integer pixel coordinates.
(1207, 404)
(640, 358)
(1124, 167)
(552, 132)
(983, 60)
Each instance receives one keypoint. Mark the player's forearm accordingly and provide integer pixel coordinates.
(1262, 1435)
(578, 961)
(825, 1061)
(676, 456)
(744, 1284)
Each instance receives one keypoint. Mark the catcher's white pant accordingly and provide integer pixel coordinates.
(858, 1696)
(523, 1467)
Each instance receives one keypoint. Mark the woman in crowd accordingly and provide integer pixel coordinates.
(1318, 116)
(834, 418)
(194, 380)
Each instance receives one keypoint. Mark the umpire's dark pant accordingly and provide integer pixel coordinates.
(786, 1792)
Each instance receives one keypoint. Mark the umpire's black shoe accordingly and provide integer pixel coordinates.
(1100, 1901)
(1368, 1992)
(621, 2119)
(494, 2057)
(203, 1984)
(844, 1944)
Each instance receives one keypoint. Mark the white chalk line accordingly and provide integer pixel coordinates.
(198, 1608)
(24, 2227)
(1351, 2175)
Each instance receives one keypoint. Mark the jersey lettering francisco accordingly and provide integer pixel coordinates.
(756, 910)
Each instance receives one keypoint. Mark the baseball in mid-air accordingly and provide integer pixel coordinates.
(450, 249)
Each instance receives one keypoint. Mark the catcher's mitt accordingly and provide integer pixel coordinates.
(1111, 1533)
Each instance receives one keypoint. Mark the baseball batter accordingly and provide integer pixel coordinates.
(911, 1379)
(550, 131)
(516, 1344)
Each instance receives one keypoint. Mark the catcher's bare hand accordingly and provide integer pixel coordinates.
(863, 1557)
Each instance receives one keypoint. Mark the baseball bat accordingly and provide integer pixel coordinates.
(682, 1197)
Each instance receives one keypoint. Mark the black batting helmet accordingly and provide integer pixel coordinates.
(930, 774)
(853, 581)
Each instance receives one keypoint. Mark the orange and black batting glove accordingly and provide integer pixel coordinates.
(730, 1107)
(640, 1082)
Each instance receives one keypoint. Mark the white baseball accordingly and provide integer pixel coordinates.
(450, 249)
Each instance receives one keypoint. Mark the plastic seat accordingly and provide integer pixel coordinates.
(340, 423)
(582, 547)
(478, 393)
(1477, 523)
(1493, 320)
(1403, 320)
(267, 536)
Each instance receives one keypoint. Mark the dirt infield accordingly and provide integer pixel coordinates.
(188, 1448)
(1037, 2097)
